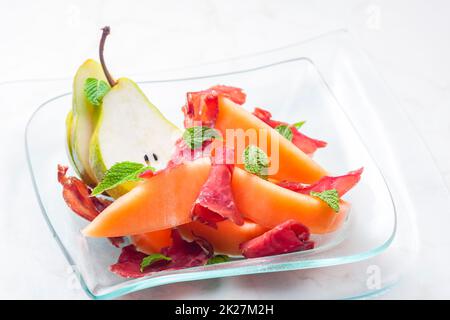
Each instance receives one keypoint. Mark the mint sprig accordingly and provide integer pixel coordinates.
(330, 197)
(256, 161)
(151, 259)
(195, 136)
(119, 173)
(285, 131)
(218, 258)
(299, 124)
(95, 90)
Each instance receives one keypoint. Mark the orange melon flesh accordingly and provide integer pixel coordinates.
(226, 238)
(162, 202)
(152, 242)
(165, 201)
(294, 164)
(268, 204)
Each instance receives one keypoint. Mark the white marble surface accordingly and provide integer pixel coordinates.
(406, 40)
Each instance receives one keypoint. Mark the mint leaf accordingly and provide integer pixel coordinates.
(331, 197)
(119, 173)
(256, 161)
(195, 136)
(285, 131)
(151, 259)
(218, 258)
(95, 90)
(299, 124)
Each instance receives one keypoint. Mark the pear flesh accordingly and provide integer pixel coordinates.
(129, 127)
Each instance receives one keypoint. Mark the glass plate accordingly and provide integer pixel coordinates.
(295, 83)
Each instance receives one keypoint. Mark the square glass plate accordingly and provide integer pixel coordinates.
(295, 83)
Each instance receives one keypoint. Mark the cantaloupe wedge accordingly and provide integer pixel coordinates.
(152, 242)
(293, 164)
(162, 202)
(226, 238)
(166, 200)
(268, 204)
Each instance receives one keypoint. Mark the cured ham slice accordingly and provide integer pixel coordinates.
(306, 144)
(201, 108)
(341, 184)
(215, 202)
(77, 196)
(183, 254)
(287, 237)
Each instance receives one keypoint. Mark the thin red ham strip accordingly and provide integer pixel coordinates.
(129, 263)
(342, 184)
(215, 201)
(78, 197)
(184, 254)
(202, 107)
(306, 144)
(288, 236)
(266, 116)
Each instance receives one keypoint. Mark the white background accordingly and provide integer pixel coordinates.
(408, 41)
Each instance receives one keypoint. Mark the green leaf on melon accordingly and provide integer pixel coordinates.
(330, 197)
(256, 161)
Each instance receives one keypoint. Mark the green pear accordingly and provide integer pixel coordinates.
(80, 124)
(129, 127)
(126, 126)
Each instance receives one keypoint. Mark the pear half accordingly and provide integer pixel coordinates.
(81, 121)
(129, 127)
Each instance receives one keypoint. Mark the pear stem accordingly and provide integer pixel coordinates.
(106, 30)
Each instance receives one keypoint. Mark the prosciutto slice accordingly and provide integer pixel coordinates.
(129, 263)
(306, 144)
(186, 254)
(287, 237)
(342, 184)
(215, 201)
(77, 196)
(183, 254)
(202, 107)
(266, 116)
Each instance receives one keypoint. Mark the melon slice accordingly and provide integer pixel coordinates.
(268, 204)
(165, 201)
(162, 202)
(152, 242)
(226, 238)
(244, 128)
